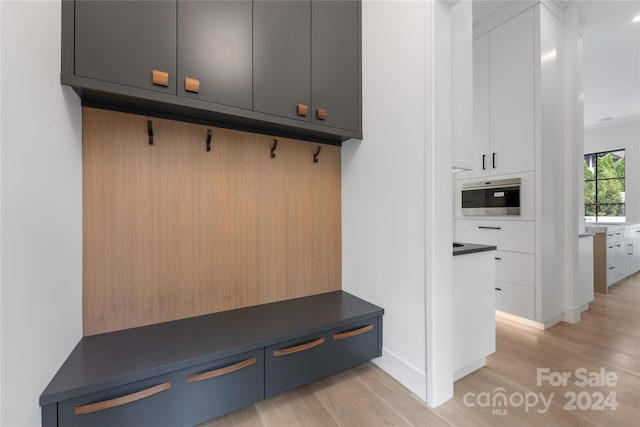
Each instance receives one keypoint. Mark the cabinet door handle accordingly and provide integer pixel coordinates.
(122, 400)
(498, 258)
(221, 371)
(612, 267)
(498, 289)
(484, 227)
(321, 114)
(302, 110)
(160, 78)
(618, 245)
(484, 156)
(353, 333)
(298, 348)
(191, 85)
(493, 160)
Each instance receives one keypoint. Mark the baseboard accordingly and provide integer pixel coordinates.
(463, 372)
(572, 314)
(407, 375)
(532, 323)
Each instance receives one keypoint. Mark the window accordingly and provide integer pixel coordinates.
(604, 186)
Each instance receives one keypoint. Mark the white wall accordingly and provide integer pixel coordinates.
(622, 135)
(383, 186)
(41, 214)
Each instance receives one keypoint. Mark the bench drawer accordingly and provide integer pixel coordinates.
(294, 363)
(355, 344)
(216, 388)
(147, 403)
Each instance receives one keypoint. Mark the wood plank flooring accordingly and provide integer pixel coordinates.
(607, 337)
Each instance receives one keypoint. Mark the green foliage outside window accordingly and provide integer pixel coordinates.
(604, 192)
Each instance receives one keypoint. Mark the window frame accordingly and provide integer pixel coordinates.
(596, 205)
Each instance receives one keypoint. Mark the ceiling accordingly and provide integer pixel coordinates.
(611, 56)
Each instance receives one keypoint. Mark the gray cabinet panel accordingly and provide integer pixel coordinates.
(353, 350)
(335, 69)
(124, 41)
(281, 57)
(214, 46)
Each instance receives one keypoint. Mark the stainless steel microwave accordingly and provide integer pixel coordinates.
(491, 198)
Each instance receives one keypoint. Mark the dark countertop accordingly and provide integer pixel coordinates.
(109, 360)
(471, 248)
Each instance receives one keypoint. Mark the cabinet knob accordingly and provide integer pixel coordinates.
(321, 114)
(160, 78)
(303, 110)
(191, 85)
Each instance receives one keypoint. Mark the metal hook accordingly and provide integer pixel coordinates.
(273, 149)
(150, 131)
(208, 139)
(315, 156)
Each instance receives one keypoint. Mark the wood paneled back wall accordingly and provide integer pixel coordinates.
(173, 231)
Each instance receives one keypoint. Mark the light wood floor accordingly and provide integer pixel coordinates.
(608, 336)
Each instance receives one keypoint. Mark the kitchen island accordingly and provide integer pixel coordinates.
(474, 323)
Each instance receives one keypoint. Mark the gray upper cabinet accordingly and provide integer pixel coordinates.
(335, 69)
(125, 41)
(214, 51)
(281, 58)
(288, 68)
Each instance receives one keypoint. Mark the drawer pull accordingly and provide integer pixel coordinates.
(484, 227)
(353, 333)
(221, 371)
(191, 85)
(321, 114)
(160, 78)
(298, 348)
(612, 267)
(123, 400)
(302, 110)
(498, 289)
(498, 258)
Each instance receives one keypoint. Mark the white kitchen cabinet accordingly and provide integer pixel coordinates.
(611, 264)
(622, 260)
(503, 90)
(515, 299)
(474, 322)
(515, 267)
(513, 236)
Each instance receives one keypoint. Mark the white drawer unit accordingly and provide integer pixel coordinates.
(516, 268)
(512, 236)
(515, 299)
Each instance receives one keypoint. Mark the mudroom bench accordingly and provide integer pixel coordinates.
(188, 371)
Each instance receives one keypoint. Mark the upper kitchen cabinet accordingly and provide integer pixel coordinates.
(214, 51)
(131, 43)
(503, 104)
(282, 58)
(283, 68)
(335, 88)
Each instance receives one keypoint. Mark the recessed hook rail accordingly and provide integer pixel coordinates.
(315, 156)
(208, 139)
(273, 148)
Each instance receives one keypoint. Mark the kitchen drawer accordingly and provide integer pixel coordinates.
(216, 388)
(513, 236)
(614, 236)
(294, 363)
(148, 403)
(515, 267)
(355, 344)
(515, 299)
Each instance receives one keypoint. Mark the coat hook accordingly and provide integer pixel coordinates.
(315, 156)
(150, 131)
(208, 139)
(273, 149)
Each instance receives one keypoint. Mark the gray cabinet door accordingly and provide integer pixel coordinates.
(214, 49)
(124, 41)
(335, 69)
(281, 57)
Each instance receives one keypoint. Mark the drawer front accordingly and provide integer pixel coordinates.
(294, 363)
(147, 403)
(355, 344)
(515, 299)
(513, 236)
(216, 388)
(614, 236)
(515, 267)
